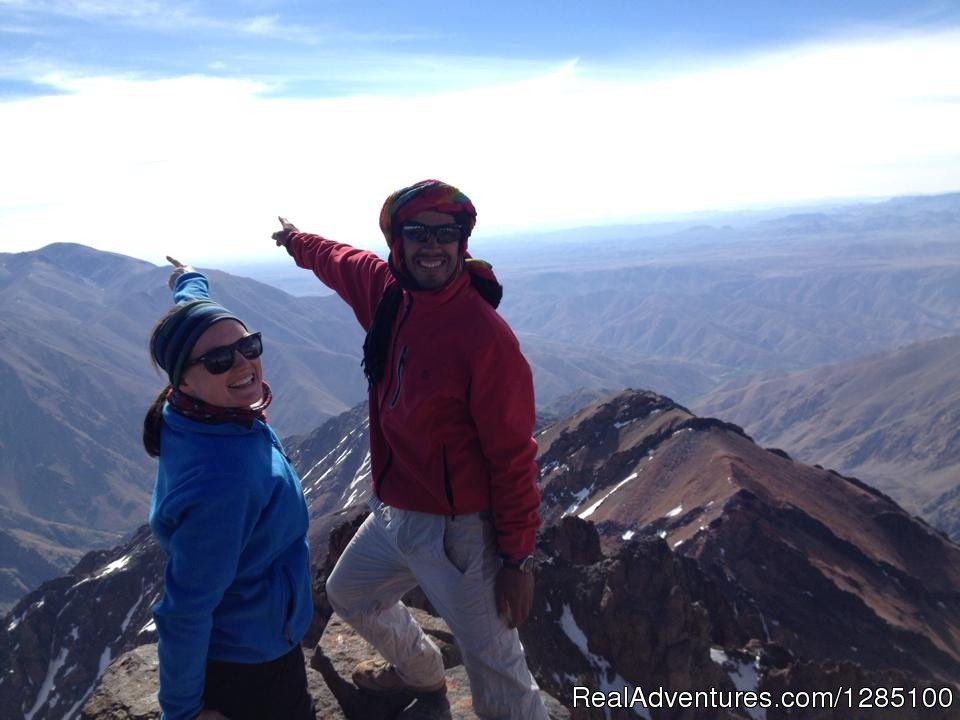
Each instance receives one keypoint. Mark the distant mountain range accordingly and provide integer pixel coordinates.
(675, 553)
(892, 419)
(679, 311)
(77, 380)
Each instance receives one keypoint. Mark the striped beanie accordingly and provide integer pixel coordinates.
(425, 195)
(173, 340)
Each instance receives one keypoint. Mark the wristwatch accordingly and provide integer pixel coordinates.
(525, 565)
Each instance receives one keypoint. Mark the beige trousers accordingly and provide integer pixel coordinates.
(454, 561)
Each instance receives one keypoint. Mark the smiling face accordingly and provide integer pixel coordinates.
(430, 264)
(240, 386)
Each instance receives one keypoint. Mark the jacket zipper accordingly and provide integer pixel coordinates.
(446, 483)
(401, 361)
(383, 473)
(396, 335)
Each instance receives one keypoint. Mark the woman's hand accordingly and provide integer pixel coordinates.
(178, 269)
(282, 237)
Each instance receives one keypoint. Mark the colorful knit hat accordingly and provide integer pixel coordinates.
(425, 195)
(173, 340)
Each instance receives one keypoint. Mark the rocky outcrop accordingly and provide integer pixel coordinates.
(641, 617)
(128, 690)
(808, 559)
(59, 639)
(340, 649)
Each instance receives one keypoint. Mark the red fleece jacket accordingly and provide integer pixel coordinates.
(451, 422)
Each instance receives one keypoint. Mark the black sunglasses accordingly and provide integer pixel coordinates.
(420, 233)
(220, 359)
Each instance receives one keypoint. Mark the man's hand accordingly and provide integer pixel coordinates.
(514, 594)
(178, 269)
(283, 236)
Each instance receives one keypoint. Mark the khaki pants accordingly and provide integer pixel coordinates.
(454, 561)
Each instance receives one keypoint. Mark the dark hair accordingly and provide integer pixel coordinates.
(153, 420)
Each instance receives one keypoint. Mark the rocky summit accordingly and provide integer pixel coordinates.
(676, 555)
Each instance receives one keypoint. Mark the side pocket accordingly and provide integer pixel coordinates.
(463, 542)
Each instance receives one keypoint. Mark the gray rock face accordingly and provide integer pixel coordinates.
(59, 639)
(340, 649)
(128, 689)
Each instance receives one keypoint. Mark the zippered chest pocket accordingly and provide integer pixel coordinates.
(398, 375)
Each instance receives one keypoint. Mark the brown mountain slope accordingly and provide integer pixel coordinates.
(892, 419)
(824, 564)
(77, 380)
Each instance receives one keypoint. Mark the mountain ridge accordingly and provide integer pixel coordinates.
(890, 418)
(672, 546)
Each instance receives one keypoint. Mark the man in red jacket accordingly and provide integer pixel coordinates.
(455, 501)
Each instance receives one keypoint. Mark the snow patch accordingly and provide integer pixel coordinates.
(326, 472)
(16, 621)
(126, 620)
(148, 628)
(609, 681)
(590, 510)
(628, 534)
(44, 693)
(363, 471)
(662, 534)
(676, 511)
(743, 675)
(116, 566)
(104, 661)
(578, 497)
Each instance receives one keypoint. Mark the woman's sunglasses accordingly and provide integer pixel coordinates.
(220, 359)
(420, 233)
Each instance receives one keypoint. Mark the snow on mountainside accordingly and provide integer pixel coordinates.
(734, 556)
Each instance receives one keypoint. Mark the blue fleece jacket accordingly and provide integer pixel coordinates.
(228, 510)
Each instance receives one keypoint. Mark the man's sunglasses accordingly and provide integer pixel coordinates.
(420, 233)
(220, 359)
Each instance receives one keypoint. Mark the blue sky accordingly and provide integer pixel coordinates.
(197, 122)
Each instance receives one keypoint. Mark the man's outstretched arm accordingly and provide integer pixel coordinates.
(358, 276)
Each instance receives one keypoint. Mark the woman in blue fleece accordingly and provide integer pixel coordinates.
(228, 510)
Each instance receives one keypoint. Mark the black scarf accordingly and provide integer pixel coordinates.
(377, 342)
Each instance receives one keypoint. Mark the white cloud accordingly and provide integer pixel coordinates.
(199, 166)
